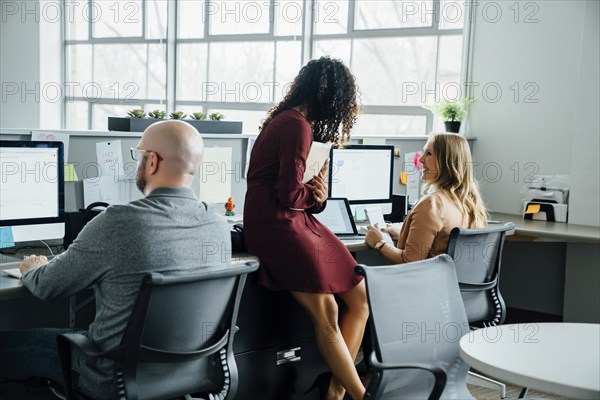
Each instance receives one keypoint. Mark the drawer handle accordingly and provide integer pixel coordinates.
(288, 356)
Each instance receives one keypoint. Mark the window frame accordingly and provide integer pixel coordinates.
(308, 38)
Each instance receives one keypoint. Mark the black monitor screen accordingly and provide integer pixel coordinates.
(362, 173)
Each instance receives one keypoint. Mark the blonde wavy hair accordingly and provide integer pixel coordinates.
(455, 177)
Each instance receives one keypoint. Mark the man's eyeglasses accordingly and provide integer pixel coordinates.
(135, 153)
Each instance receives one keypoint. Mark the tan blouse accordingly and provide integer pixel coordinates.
(426, 230)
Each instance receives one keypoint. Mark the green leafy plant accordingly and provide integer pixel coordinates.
(198, 116)
(178, 115)
(137, 113)
(216, 116)
(451, 110)
(157, 114)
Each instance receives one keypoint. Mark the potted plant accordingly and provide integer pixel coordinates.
(452, 112)
(137, 113)
(213, 123)
(136, 121)
(216, 116)
(198, 116)
(157, 114)
(178, 115)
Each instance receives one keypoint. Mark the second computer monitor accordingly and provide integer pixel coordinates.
(363, 174)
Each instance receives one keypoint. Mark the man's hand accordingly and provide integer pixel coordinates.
(31, 262)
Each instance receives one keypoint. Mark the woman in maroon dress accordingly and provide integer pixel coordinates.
(296, 252)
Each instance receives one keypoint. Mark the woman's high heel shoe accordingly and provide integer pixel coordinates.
(321, 382)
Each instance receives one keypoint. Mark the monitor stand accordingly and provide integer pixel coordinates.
(358, 210)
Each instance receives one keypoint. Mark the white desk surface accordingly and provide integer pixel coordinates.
(560, 358)
(12, 288)
(551, 230)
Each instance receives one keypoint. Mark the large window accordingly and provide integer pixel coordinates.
(238, 57)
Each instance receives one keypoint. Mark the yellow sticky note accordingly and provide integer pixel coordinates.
(70, 174)
(533, 209)
(403, 178)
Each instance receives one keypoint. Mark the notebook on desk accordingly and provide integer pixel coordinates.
(337, 216)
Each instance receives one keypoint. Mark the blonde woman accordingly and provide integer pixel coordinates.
(452, 200)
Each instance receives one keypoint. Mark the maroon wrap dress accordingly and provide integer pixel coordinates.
(296, 252)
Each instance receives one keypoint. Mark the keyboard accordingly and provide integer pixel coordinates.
(355, 237)
(12, 268)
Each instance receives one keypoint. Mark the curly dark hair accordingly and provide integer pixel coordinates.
(326, 90)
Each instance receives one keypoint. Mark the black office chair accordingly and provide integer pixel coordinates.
(477, 254)
(166, 350)
(417, 320)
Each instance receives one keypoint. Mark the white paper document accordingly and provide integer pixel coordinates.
(317, 156)
(375, 217)
(216, 174)
(110, 190)
(41, 136)
(110, 159)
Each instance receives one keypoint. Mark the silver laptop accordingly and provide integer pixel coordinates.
(337, 216)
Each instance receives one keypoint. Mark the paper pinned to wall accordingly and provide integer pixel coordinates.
(42, 136)
(111, 191)
(109, 156)
(412, 168)
(216, 175)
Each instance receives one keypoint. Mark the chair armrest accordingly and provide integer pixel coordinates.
(478, 287)
(149, 354)
(89, 348)
(438, 373)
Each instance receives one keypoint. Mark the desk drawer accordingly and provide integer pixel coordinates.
(280, 372)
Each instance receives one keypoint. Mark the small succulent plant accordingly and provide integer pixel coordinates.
(216, 116)
(157, 114)
(178, 115)
(451, 110)
(137, 113)
(198, 116)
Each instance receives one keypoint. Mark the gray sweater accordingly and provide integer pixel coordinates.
(169, 231)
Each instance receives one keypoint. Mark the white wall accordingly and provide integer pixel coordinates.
(19, 52)
(585, 159)
(517, 137)
(31, 54)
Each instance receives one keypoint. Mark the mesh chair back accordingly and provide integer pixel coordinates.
(477, 254)
(417, 316)
(179, 338)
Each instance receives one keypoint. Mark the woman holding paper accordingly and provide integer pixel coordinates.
(297, 253)
(452, 200)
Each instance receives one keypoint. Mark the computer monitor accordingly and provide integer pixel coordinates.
(362, 174)
(32, 189)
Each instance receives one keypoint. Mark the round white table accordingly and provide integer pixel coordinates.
(560, 358)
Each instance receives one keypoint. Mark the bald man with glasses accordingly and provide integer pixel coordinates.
(168, 231)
